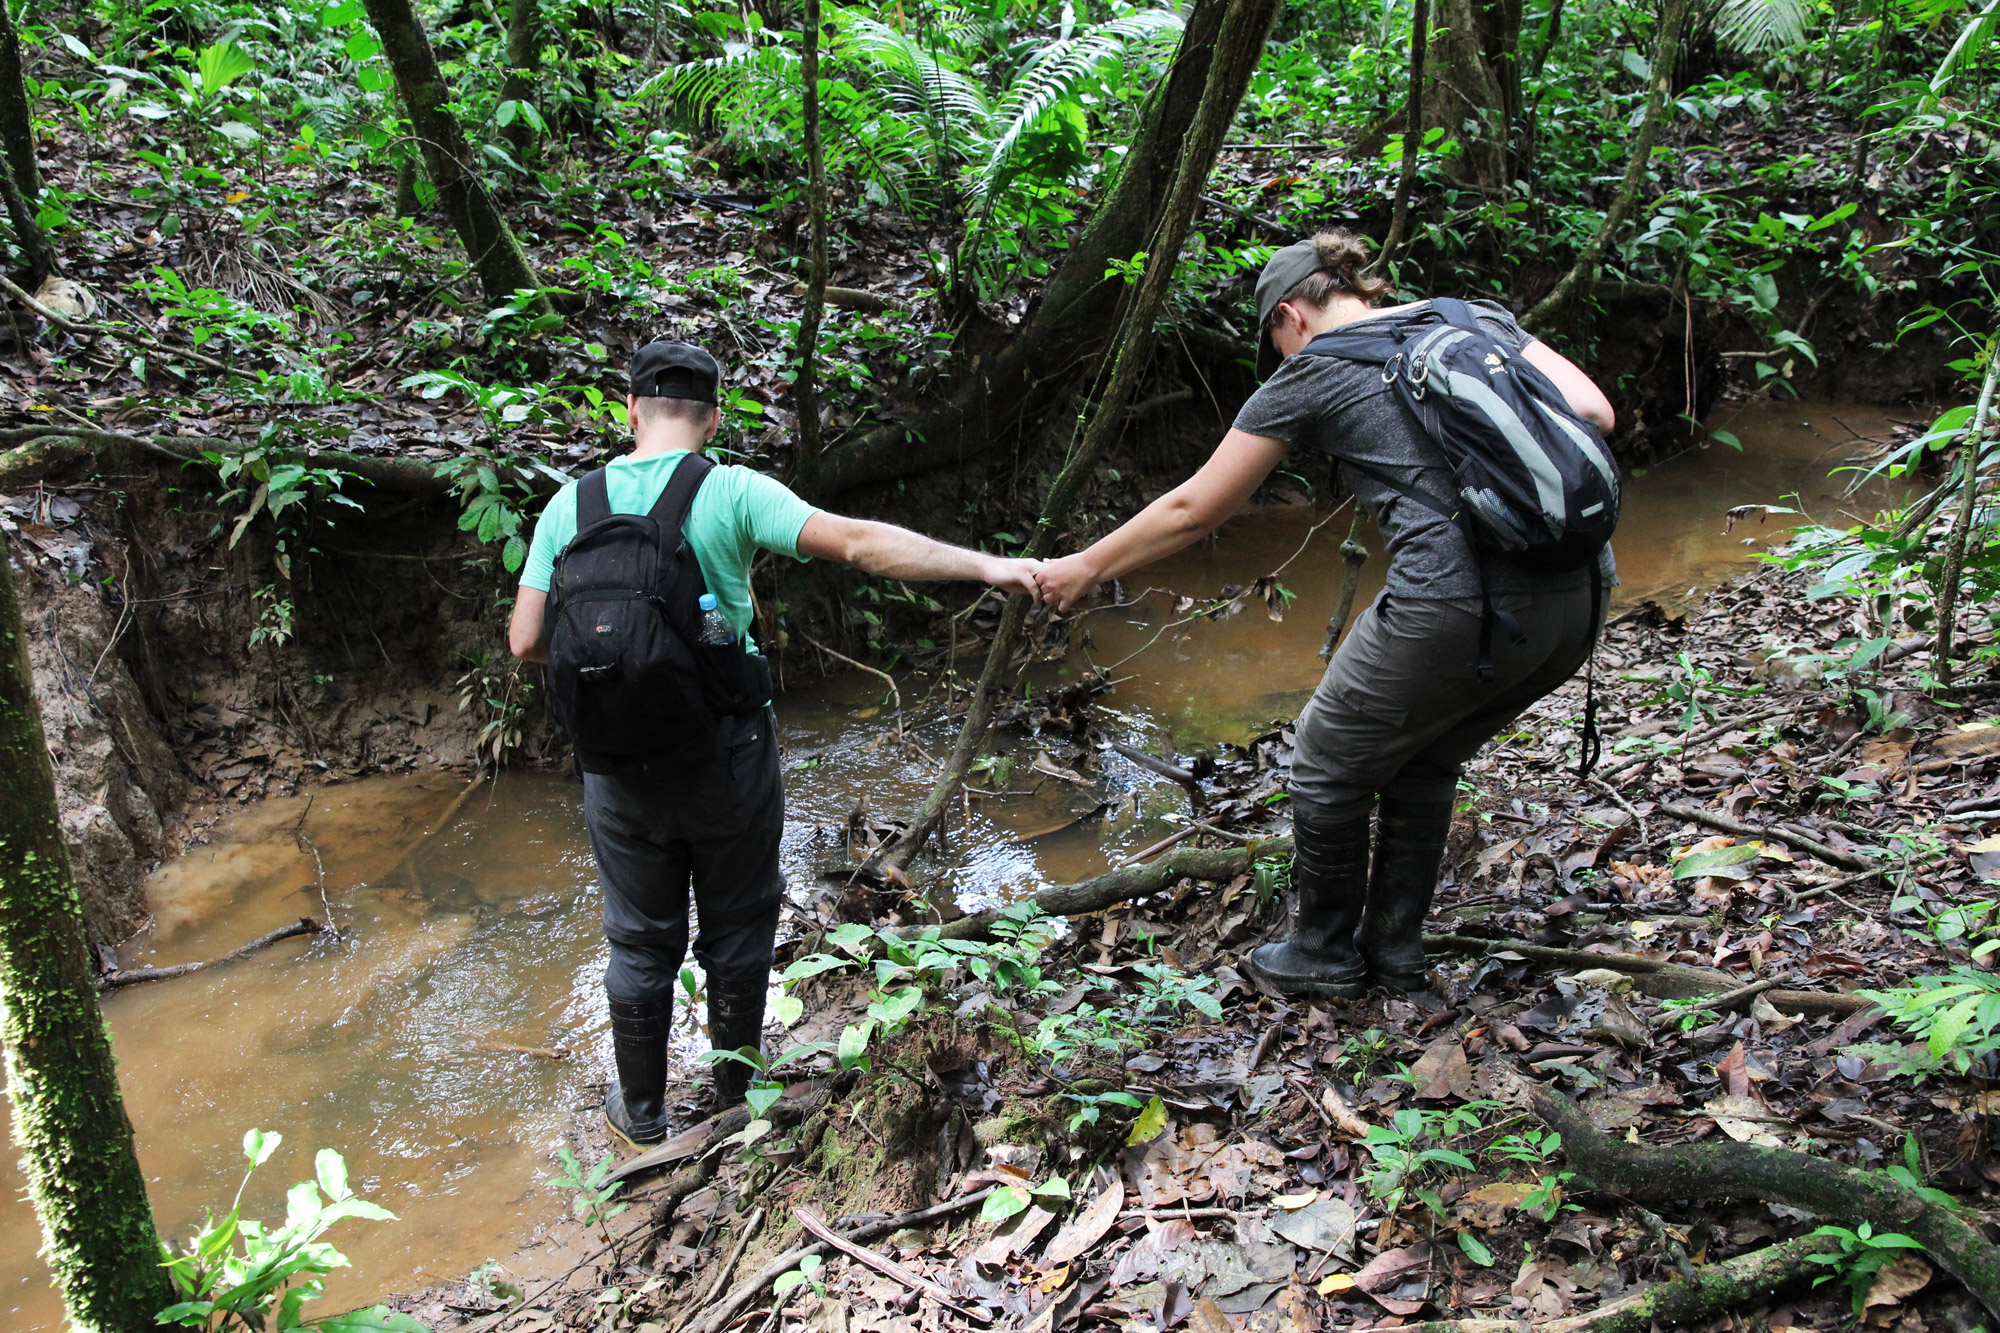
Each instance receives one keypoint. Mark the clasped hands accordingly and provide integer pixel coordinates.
(1059, 583)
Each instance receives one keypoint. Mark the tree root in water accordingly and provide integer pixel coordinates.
(1774, 1175)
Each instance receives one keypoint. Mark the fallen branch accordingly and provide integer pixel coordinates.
(305, 925)
(887, 1267)
(22, 462)
(1772, 1175)
(443, 821)
(1664, 981)
(1699, 738)
(1783, 833)
(1128, 882)
(717, 1316)
(1721, 1004)
(1680, 1302)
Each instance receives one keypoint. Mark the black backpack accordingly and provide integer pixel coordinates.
(1535, 481)
(628, 675)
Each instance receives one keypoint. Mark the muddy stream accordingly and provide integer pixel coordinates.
(408, 1043)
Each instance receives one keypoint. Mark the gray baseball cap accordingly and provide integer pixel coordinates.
(1286, 270)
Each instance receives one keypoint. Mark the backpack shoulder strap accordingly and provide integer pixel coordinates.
(1458, 314)
(593, 500)
(1373, 348)
(670, 511)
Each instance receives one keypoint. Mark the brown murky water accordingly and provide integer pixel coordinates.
(390, 1044)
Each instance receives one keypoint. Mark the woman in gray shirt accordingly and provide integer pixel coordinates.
(1404, 703)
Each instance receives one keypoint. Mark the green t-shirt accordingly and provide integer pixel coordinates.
(735, 513)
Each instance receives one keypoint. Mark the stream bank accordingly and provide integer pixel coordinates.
(393, 1044)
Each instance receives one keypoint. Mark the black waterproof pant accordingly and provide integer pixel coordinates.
(1402, 707)
(715, 829)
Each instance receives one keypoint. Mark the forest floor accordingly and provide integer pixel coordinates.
(1296, 1165)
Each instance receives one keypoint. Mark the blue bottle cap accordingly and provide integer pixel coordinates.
(706, 602)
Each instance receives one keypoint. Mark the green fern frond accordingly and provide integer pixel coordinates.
(1756, 27)
(1058, 71)
(921, 81)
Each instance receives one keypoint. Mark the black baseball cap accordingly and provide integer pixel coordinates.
(1284, 271)
(675, 370)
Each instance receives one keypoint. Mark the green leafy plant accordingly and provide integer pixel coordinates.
(237, 1274)
(497, 493)
(1955, 1014)
(1411, 1145)
(1864, 1252)
(806, 1275)
(593, 1202)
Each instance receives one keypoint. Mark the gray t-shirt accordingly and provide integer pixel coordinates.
(1344, 409)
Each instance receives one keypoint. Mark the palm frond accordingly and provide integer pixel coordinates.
(1056, 73)
(752, 84)
(1756, 27)
(922, 81)
(1976, 36)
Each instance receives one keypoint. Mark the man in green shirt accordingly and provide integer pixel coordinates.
(714, 822)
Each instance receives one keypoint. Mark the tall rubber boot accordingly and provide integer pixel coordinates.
(635, 1106)
(735, 1020)
(1409, 848)
(1329, 887)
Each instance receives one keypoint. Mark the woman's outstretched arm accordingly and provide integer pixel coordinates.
(1182, 516)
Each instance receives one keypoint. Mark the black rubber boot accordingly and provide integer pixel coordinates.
(1409, 847)
(635, 1106)
(735, 1020)
(1329, 886)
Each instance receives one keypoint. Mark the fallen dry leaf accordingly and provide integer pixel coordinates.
(1904, 1276)
(1085, 1229)
(1442, 1071)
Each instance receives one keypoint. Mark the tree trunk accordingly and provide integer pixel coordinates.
(69, 1120)
(1239, 42)
(524, 49)
(1065, 332)
(22, 184)
(1972, 451)
(1413, 138)
(805, 389)
(1475, 91)
(489, 242)
(1638, 160)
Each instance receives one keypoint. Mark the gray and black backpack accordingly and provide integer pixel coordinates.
(1535, 481)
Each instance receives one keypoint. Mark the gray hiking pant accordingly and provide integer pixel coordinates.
(716, 829)
(1401, 707)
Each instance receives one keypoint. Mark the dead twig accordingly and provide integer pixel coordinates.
(133, 976)
(886, 1266)
(719, 1315)
(1783, 833)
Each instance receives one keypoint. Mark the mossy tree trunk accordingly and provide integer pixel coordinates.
(805, 389)
(490, 243)
(1413, 139)
(524, 51)
(21, 184)
(1068, 331)
(1475, 94)
(69, 1119)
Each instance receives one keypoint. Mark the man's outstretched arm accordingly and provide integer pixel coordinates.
(898, 553)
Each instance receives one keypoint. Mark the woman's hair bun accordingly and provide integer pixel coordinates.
(1341, 253)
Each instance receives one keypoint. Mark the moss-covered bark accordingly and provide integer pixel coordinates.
(21, 185)
(490, 243)
(69, 1119)
(524, 49)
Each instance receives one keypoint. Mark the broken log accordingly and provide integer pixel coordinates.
(1773, 1175)
(305, 925)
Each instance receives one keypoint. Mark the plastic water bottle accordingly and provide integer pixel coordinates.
(715, 627)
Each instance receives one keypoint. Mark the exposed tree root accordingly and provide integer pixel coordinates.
(132, 976)
(1774, 1175)
(1679, 1303)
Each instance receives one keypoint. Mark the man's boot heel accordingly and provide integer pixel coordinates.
(635, 1106)
(1409, 849)
(735, 1020)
